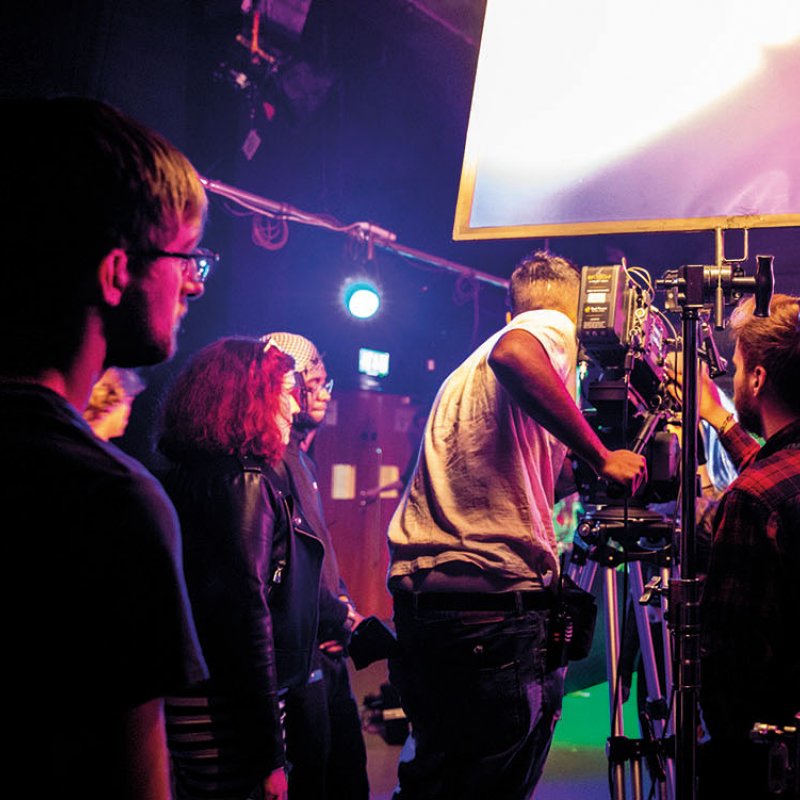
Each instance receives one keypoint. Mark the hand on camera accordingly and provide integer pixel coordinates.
(625, 468)
(710, 405)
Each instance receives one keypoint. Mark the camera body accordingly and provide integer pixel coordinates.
(619, 328)
(625, 341)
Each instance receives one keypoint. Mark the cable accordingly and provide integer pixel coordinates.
(667, 321)
(639, 275)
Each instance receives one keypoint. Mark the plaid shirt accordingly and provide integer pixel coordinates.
(750, 612)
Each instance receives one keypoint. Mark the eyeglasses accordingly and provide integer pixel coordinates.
(327, 386)
(195, 266)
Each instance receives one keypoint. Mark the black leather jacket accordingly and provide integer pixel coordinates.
(302, 474)
(253, 571)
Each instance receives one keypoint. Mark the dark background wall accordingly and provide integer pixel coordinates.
(370, 115)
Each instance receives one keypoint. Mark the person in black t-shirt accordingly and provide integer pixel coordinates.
(98, 627)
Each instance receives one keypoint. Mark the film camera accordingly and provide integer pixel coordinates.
(625, 341)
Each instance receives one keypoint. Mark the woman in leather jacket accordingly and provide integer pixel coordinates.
(252, 567)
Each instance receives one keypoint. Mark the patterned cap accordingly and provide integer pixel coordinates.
(305, 354)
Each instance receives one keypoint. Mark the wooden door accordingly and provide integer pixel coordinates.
(367, 439)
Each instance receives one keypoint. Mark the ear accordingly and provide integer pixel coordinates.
(758, 379)
(113, 276)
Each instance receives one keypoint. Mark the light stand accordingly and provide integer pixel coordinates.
(697, 286)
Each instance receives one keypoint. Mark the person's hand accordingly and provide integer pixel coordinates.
(331, 647)
(626, 468)
(710, 405)
(276, 785)
(357, 619)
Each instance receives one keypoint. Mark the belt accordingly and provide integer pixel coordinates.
(540, 600)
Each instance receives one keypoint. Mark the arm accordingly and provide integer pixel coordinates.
(145, 752)
(710, 405)
(229, 523)
(739, 445)
(523, 368)
(335, 624)
(253, 538)
(338, 618)
(352, 619)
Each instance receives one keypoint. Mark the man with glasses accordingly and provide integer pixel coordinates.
(101, 223)
(324, 742)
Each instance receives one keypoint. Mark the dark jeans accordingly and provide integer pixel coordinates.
(481, 705)
(323, 737)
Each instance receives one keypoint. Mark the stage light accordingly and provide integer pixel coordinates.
(361, 300)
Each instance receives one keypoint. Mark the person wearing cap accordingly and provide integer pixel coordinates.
(324, 742)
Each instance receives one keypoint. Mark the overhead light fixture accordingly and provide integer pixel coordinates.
(361, 299)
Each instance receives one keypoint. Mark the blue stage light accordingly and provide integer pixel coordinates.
(362, 300)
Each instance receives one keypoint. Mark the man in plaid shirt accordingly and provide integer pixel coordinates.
(750, 613)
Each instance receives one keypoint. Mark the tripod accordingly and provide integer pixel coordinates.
(640, 536)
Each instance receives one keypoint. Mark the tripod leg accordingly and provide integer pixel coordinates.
(612, 669)
(667, 641)
(649, 662)
(636, 778)
(583, 574)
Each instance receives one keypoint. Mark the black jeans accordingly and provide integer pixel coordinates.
(481, 705)
(324, 741)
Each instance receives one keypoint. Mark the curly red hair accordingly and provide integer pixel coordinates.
(227, 400)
